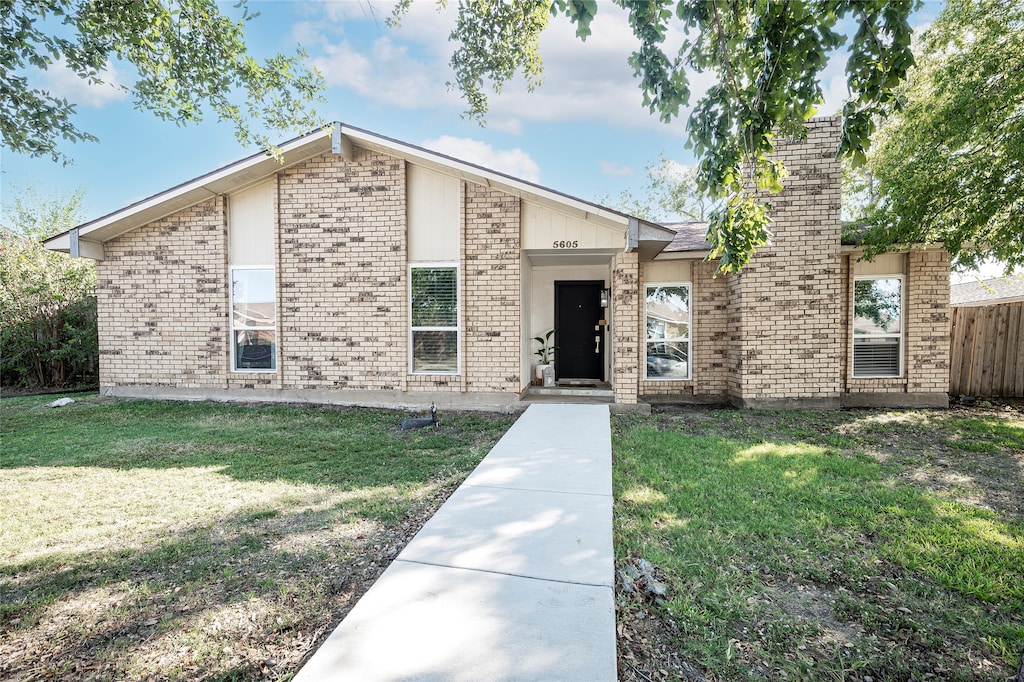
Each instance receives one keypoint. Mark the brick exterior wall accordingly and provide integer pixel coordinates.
(342, 290)
(787, 300)
(779, 333)
(162, 294)
(491, 272)
(627, 332)
(342, 273)
(928, 320)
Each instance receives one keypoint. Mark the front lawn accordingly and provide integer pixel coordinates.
(854, 545)
(145, 539)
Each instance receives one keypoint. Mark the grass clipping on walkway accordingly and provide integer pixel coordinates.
(145, 539)
(828, 546)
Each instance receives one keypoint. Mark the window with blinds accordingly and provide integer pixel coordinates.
(878, 327)
(434, 316)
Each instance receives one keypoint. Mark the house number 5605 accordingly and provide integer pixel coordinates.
(565, 245)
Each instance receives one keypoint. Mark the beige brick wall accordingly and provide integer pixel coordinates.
(342, 273)
(162, 293)
(491, 276)
(342, 284)
(627, 332)
(788, 298)
(928, 320)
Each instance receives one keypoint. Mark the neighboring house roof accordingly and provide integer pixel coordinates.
(988, 292)
(88, 238)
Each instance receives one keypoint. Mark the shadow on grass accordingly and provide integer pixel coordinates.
(792, 549)
(340, 447)
(298, 510)
(247, 596)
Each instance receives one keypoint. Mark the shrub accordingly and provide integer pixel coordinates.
(47, 300)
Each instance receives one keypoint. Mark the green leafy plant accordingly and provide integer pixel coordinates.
(546, 351)
(47, 299)
(189, 57)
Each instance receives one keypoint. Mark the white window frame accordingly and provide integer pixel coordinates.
(901, 336)
(236, 328)
(458, 318)
(689, 327)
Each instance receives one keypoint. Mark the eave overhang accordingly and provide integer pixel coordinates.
(88, 238)
(225, 180)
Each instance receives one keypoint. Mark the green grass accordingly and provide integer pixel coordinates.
(829, 545)
(201, 540)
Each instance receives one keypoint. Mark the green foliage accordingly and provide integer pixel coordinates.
(950, 167)
(546, 350)
(670, 193)
(860, 195)
(47, 299)
(765, 58)
(188, 57)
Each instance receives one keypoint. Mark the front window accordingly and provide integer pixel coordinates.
(667, 311)
(877, 327)
(434, 314)
(253, 319)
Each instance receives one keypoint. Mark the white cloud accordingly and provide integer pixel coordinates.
(614, 169)
(387, 74)
(514, 162)
(512, 126)
(408, 66)
(673, 170)
(61, 81)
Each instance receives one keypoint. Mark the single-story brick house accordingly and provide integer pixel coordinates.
(363, 270)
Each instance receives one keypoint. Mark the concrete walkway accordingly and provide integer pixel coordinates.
(512, 578)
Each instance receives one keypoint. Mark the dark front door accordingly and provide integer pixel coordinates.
(579, 337)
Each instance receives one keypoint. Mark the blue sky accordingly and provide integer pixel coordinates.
(583, 132)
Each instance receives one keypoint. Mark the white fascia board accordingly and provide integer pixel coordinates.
(87, 248)
(483, 176)
(854, 248)
(682, 255)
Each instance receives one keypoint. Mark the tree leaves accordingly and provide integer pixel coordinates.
(950, 166)
(765, 57)
(190, 60)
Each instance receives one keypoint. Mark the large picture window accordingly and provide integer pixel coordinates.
(253, 319)
(667, 309)
(878, 326)
(434, 315)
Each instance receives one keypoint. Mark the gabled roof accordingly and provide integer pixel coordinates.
(988, 292)
(339, 139)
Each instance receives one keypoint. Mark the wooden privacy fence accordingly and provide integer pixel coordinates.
(986, 355)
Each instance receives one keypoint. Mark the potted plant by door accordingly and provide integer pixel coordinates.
(544, 372)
